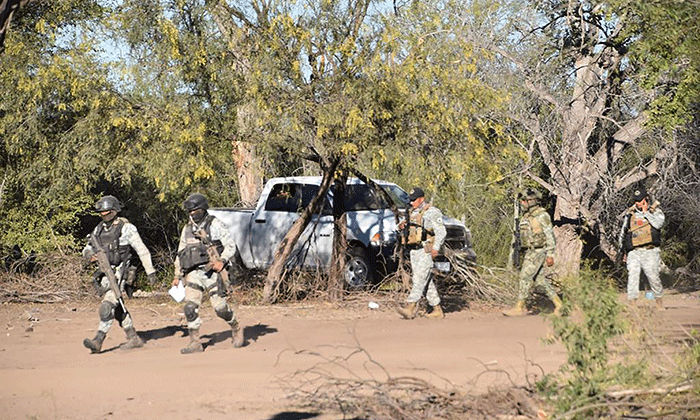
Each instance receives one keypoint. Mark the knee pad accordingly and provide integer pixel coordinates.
(224, 313)
(107, 311)
(191, 311)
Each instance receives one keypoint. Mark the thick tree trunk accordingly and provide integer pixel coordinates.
(249, 179)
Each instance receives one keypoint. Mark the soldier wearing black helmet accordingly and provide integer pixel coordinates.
(117, 237)
(194, 266)
(538, 242)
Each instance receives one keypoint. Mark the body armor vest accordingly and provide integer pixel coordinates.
(641, 233)
(531, 230)
(194, 254)
(417, 233)
(108, 238)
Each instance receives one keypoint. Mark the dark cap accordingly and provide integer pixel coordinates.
(415, 193)
(639, 194)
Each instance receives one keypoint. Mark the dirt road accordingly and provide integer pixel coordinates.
(46, 373)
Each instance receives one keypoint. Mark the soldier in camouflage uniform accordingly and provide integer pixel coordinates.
(641, 233)
(194, 266)
(538, 242)
(426, 234)
(117, 237)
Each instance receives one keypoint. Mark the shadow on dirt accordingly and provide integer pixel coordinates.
(293, 415)
(251, 333)
(159, 333)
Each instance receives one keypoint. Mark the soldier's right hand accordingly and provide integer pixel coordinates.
(176, 281)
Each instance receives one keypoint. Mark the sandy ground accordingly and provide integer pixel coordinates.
(46, 373)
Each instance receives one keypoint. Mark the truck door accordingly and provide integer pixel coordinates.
(275, 217)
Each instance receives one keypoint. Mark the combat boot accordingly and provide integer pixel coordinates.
(195, 346)
(518, 310)
(408, 310)
(557, 306)
(659, 304)
(133, 340)
(436, 313)
(236, 334)
(95, 345)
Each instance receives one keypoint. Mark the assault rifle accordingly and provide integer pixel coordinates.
(516, 234)
(222, 278)
(106, 268)
(621, 242)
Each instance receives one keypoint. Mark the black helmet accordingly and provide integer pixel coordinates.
(107, 203)
(194, 202)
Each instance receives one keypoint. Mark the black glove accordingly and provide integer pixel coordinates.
(152, 279)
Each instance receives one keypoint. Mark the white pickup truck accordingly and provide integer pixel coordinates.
(371, 228)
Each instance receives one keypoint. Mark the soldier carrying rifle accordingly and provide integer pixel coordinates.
(203, 256)
(110, 245)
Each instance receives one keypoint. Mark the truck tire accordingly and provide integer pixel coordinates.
(359, 272)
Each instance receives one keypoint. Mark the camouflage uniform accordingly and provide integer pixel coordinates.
(538, 245)
(129, 237)
(430, 218)
(116, 237)
(643, 251)
(198, 274)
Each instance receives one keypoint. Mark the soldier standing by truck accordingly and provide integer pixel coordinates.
(202, 260)
(538, 242)
(116, 237)
(425, 236)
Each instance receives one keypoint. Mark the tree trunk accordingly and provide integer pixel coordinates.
(276, 270)
(249, 179)
(340, 244)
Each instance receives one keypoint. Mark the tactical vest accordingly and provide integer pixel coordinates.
(195, 254)
(641, 233)
(417, 233)
(108, 238)
(531, 230)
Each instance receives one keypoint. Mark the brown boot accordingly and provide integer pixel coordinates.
(408, 310)
(557, 306)
(237, 334)
(436, 312)
(659, 304)
(95, 345)
(518, 310)
(133, 340)
(194, 346)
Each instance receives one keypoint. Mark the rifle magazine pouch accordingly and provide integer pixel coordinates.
(193, 256)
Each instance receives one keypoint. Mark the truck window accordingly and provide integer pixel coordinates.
(284, 197)
(293, 198)
(363, 197)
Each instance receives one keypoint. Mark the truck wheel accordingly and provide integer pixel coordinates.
(358, 269)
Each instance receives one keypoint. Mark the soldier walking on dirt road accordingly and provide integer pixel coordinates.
(538, 242)
(116, 237)
(426, 235)
(202, 262)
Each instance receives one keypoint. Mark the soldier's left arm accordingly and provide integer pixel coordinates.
(546, 223)
(132, 237)
(219, 231)
(434, 220)
(655, 218)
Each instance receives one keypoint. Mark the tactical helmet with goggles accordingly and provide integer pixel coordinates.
(107, 203)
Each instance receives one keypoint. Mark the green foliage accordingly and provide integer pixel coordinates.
(594, 319)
